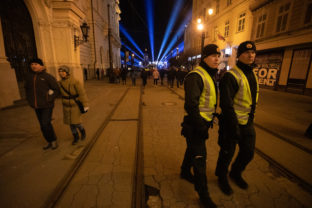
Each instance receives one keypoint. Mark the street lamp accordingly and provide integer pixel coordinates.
(85, 30)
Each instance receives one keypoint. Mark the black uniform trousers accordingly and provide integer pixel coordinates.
(246, 144)
(44, 116)
(195, 157)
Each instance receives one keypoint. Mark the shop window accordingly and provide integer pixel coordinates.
(261, 26)
(241, 22)
(282, 17)
(226, 28)
(308, 15)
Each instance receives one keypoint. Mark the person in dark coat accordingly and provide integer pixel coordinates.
(238, 97)
(200, 106)
(124, 73)
(144, 75)
(71, 112)
(41, 91)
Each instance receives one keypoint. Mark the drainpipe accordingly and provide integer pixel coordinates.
(93, 25)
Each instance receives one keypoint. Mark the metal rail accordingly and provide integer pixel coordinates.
(64, 183)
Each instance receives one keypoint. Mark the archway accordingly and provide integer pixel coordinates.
(19, 40)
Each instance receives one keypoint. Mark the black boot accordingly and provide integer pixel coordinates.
(187, 175)
(207, 201)
(48, 146)
(83, 134)
(224, 185)
(76, 138)
(237, 178)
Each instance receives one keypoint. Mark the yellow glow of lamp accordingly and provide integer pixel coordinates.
(210, 11)
(200, 26)
(198, 20)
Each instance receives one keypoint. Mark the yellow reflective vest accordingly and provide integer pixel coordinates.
(243, 99)
(208, 97)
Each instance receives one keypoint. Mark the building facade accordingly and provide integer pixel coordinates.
(47, 29)
(281, 30)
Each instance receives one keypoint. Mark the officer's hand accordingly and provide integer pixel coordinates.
(86, 109)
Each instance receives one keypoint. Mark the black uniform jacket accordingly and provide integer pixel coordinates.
(193, 87)
(228, 90)
(37, 86)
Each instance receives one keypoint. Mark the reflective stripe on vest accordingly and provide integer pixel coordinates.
(242, 100)
(208, 97)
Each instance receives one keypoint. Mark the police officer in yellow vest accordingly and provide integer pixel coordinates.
(200, 106)
(238, 97)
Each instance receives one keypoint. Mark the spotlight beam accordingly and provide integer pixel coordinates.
(149, 4)
(171, 22)
(127, 35)
(132, 51)
(179, 33)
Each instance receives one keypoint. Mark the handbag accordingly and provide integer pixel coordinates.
(74, 97)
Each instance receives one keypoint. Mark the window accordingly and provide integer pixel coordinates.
(282, 17)
(226, 28)
(217, 6)
(228, 2)
(241, 22)
(308, 15)
(261, 25)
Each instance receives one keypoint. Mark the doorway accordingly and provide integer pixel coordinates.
(19, 39)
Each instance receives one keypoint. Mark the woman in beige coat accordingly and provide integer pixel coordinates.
(72, 115)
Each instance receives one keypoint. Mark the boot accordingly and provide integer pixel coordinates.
(237, 178)
(207, 201)
(83, 134)
(54, 145)
(76, 138)
(48, 146)
(187, 175)
(224, 185)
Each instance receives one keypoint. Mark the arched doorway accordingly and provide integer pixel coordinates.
(19, 40)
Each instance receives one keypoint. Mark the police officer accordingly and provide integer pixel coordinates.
(238, 97)
(200, 106)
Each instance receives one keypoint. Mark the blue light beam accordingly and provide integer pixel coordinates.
(126, 34)
(170, 25)
(149, 4)
(132, 51)
(180, 31)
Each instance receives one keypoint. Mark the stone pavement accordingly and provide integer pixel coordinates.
(28, 175)
(163, 154)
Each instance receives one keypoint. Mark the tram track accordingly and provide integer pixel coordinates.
(65, 182)
(281, 169)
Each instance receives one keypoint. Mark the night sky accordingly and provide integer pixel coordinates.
(133, 18)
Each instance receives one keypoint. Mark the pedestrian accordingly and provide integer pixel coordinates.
(200, 106)
(238, 97)
(144, 75)
(85, 70)
(124, 73)
(155, 76)
(162, 75)
(133, 75)
(98, 73)
(41, 91)
(72, 89)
